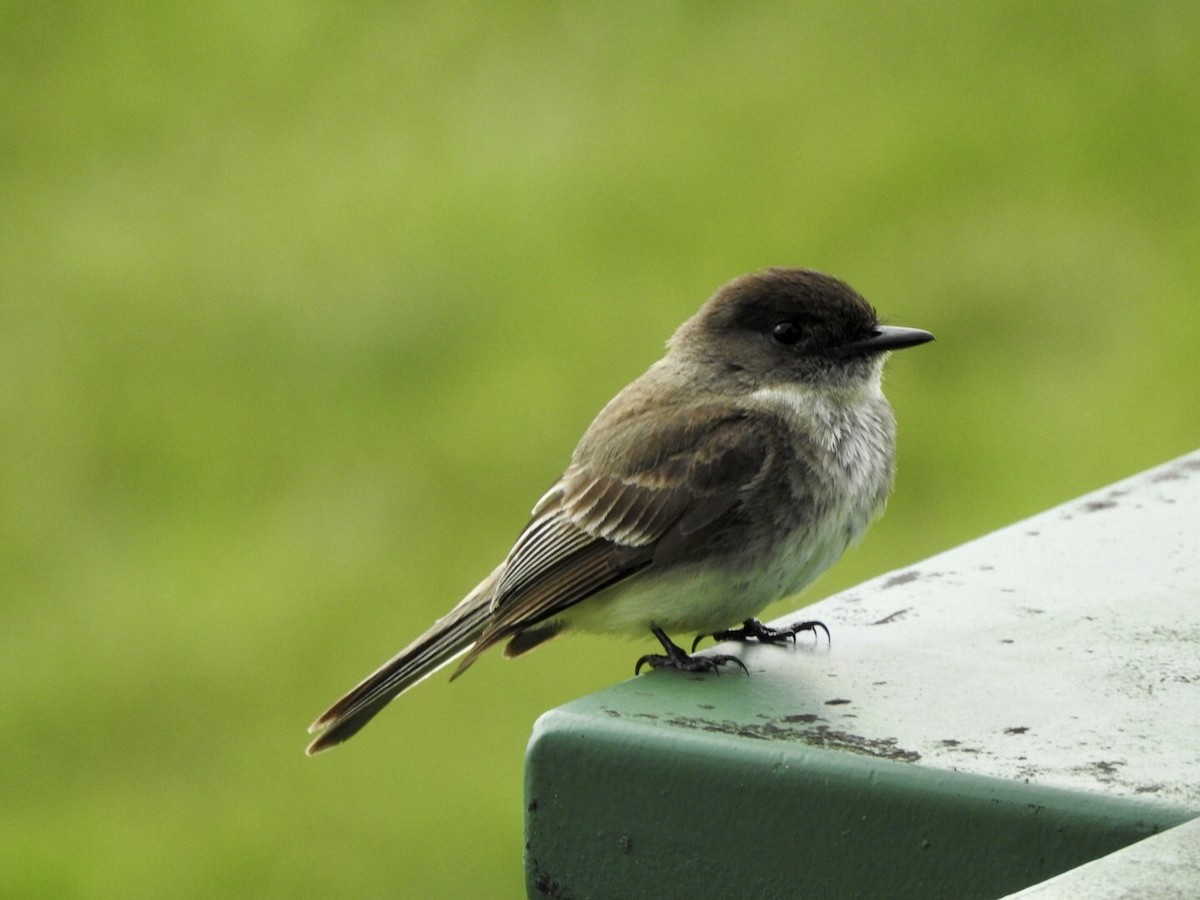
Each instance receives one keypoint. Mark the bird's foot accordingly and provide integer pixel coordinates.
(685, 663)
(756, 630)
(675, 657)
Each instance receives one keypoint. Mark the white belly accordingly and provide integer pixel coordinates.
(695, 600)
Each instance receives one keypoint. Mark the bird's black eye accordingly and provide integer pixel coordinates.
(786, 332)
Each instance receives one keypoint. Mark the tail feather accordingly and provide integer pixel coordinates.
(448, 638)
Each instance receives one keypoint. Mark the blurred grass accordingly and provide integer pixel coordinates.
(301, 307)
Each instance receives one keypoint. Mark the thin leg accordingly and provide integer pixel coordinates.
(674, 657)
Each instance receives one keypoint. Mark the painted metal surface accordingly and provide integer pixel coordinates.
(980, 722)
(1163, 867)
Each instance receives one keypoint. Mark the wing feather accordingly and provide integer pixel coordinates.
(596, 528)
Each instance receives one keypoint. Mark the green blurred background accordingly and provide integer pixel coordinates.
(303, 305)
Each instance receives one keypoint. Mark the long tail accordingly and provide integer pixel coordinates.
(450, 636)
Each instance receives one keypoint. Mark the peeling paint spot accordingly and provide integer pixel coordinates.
(902, 578)
(1180, 472)
(545, 884)
(886, 748)
(821, 736)
(952, 744)
(897, 615)
(1104, 770)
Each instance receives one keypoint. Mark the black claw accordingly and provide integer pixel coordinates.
(688, 663)
(721, 660)
(653, 660)
(676, 658)
(756, 630)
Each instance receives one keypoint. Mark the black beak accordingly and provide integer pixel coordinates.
(888, 337)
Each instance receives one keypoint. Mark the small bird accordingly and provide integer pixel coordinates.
(731, 474)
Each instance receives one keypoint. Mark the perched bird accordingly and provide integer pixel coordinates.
(731, 474)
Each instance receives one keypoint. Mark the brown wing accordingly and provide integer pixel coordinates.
(594, 529)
